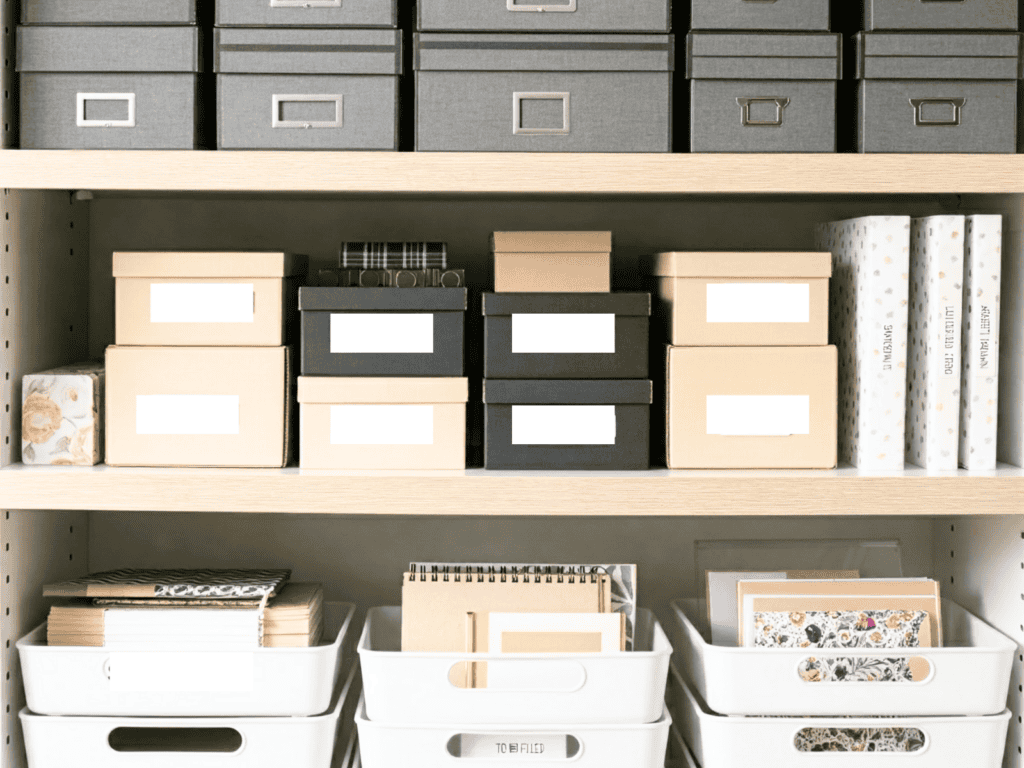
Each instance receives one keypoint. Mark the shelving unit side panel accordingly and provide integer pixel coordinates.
(1011, 337)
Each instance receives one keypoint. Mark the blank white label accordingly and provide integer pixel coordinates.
(382, 333)
(201, 303)
(382, 425)
(563, 425)
(769, 415)
(515, 746)
(563, 333)
(180, 671)
(186, 414)
(759, 302)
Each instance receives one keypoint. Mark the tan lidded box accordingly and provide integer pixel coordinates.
(198, 406)
(382, 423)
(744, 299)
(205, 299)
(751, 407)
(552, 262)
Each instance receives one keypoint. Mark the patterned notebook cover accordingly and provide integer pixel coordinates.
(840, 629)
(223, 584)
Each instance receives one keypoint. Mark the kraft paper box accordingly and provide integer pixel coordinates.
(214, 299)
(751, 408)
(744, 299)
(383, 331)
(378, 423)
(540, 262)
(62, 415)
(198, 406)
(566, 335)
(568, 424)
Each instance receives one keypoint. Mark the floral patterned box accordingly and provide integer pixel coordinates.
(62, 415)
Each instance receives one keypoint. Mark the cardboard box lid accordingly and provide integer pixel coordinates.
(359, 389)
(108, 12)
(551, 242)
(208, 264)
(383, 299)
(742, 264)
(568, 391)
(764, 56)
(938, 56)
(108, 49)
(633, 304)
(308, 51)
(543, 52)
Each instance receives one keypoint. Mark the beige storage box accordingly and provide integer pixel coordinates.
(744, 299)
(382, 423)
(205, 299)
(751, 408)
(552, 262)
(198, 406)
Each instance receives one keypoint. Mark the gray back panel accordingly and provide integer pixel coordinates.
(963, 14)
(108, 12)
(108, 49)
(306, 13)
(745, 14)
(543, 15)
(308, 51)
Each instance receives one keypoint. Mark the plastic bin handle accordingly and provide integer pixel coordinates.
(878, 670)
(176, 739)
(861, 738)
(533, 675)
(514, 746)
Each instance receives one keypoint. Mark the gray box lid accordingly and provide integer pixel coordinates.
(383, 299)
(543, 53)
(764, 56)
(634, 304)
(308, 51)
(108, 49)
(108, 12)
(568, 392)
(938, 56)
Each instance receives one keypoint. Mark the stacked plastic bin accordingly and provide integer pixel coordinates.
(938, 77)
(139, 709)
(763, 76)
(307, 74)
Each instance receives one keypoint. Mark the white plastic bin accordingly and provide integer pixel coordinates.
(389, 745)
(265, 682)
(164, 742)
(770, 742)
(413, 687)
(970, 675)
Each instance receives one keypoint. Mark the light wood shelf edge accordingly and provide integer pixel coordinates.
(478, 492)
(508, 173)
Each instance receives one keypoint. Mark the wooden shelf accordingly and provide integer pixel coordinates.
(839, 492)
(509, 173)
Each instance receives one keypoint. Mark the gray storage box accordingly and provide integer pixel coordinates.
(804, 15)
(382, 331)
(947, 14)
(109, 87)
(305, 13)
(938, 92)
(108, 12)
(566, 335)
(543, 16)
(571, 424)
(763, 92)
(307, 88)
(544, 93)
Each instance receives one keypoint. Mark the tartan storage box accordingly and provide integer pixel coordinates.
(803, 15)
(566, 335)
(108, 12)
(305, 13)
(109, 87)
(763, 92)
(957, 16)
(938, 92)
(543, 93)
(543, 16)
(307, 88)
(382, 331)
(567, 424)
(382, 423)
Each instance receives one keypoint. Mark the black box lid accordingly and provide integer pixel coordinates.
(636, 304)
(568, 392)
(383, 299)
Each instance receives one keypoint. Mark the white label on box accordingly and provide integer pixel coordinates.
(759, 303)
(382, 425)
(514, 746)
(563, 334)
(180, 671)
(606, 625)
(563, 425)
(759, 415)
(201, 303)
(186, 414)
(382, 333)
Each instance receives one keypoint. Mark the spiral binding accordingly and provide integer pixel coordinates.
(535, 574)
